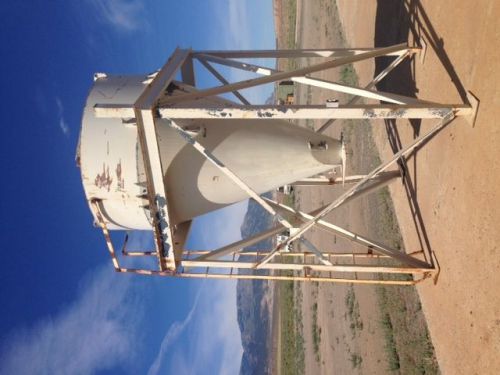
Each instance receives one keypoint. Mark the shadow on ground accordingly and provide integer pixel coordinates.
(397, 22)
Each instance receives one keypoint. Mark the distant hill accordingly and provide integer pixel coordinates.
(271, 99)
(253, 315)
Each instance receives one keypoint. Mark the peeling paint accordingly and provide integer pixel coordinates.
(119, 176)
(265, 114)
(441, 112)
(104, 180)
(369, 113)
(397, 113)
(219, 113)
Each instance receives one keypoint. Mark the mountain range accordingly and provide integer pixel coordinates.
(253, 311)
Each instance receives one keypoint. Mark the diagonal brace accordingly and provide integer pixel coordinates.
(366, 92)
(224, 169)
(293, 53)
(405, 258)
(239, 245)
(222, 80)
(284, 75)
(374, 82)
(308, 225)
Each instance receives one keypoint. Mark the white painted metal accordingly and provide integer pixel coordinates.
(295, 112)
(306, 226)
(180, 153)
(187, 70)
(316, 82)
(285, 75)
(302, 267)
(262, 154)
(291, 53)
(372, 83)
(321, 256)
(229, 173)
(156, 187)
(222, 80)
(156, 87)
(325, 181)
(240, 245)
(160, 149)
(298, 112)
(352, 236)
(156, 191)
(114, 177)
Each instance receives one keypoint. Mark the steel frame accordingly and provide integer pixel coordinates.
(312, 265)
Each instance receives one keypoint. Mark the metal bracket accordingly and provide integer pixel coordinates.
(474, 103)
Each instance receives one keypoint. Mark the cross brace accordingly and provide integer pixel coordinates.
(309, 224)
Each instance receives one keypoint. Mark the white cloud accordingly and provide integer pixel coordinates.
(94, 333)
(212, 332)
(122, 15)
(216, 332)
(63, 125)
(173, 333)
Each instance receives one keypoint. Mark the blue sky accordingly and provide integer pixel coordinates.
(64, 310)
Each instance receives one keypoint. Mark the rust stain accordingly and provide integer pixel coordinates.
(265, 114)
(369, 113)
(103, 180)
(119, 176)
(397, 113)
(440, 112)
(219, 113)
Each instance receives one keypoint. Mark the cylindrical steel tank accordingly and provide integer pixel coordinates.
(265, 154)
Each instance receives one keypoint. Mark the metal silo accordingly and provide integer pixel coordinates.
(156, 152)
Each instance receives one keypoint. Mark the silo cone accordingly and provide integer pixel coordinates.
(265, 154)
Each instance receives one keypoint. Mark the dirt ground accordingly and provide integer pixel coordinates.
(453, 181)
(340, 343)
(455, 177)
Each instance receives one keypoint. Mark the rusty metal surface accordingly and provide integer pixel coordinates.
(306, 268)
